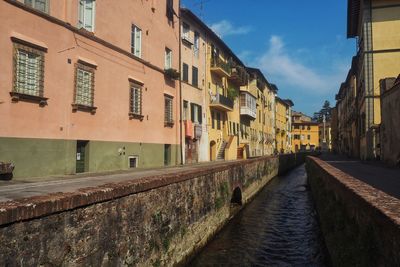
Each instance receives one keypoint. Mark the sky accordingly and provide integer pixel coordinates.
(300, 46)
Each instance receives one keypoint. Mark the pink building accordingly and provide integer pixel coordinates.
(88, 85)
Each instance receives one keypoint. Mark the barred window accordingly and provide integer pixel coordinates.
(168, 110)
(41, 5)
(84, 86)
(135, 107)
(28, 70)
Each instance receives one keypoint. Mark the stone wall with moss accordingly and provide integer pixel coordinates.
(153, 221)
(360, 224)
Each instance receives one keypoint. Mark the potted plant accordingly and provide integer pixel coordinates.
(232, 93)
(172, 73)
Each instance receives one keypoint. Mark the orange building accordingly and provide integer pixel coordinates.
(88, 85)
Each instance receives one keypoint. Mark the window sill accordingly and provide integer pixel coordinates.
(169, 124)
(15, 97)
(76, 107)
(133, 116)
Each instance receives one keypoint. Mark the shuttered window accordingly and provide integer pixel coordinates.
(168, 58)
(196, 113)
(136, 41)
(28, 70)
(195, 76)
(87, 14)
(185, 72)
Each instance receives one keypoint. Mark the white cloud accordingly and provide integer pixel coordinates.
(225, 28)
(284, 69)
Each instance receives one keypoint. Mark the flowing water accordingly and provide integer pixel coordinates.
(278, 228)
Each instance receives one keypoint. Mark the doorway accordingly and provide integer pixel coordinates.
(81, 155)
(213, 151)
(167, 155)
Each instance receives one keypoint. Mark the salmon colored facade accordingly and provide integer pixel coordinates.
(51, 134)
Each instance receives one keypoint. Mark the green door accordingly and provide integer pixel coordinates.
(167, 155)
(80, 156)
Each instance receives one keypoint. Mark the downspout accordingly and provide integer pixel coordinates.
(180, 88)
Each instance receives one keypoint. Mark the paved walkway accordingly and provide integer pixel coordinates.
(12, 190)
(373, 173)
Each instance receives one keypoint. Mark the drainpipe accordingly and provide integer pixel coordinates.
(180, 88)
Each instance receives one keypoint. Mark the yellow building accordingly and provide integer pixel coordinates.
(226, 75)
(255, 116)
(376, 25)
(269, 117)
(283, 125)
(305, 133)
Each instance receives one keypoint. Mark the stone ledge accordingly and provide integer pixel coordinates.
(39, 206)
(385, 204)
(361, 224)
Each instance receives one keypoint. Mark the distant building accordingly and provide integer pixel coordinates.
(256, 111)
(283, 130)
(86, 87)
(376, 25)
(305, 133)
(389, 129)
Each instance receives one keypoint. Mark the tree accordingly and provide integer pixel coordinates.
(325, 110)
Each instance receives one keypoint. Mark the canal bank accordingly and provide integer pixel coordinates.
(157, 220)
(360, 224)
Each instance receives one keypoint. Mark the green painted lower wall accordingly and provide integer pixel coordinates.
(45, 157)
(38, 157)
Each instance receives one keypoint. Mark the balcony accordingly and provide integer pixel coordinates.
(246, 111)
(220, 67)
(221, 102)
(239, 76)
(248, 105)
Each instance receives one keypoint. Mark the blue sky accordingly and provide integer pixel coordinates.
(300, 46)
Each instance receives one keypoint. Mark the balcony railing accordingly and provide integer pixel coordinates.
(222, 102)
(220, 67)
(239, 76)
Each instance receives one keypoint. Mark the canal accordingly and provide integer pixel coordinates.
(278, 228)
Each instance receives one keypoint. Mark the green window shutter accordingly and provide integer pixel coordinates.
(185, 74)
(200, 114)
(192, 112)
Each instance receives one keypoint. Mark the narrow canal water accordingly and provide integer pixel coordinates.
(278, 228)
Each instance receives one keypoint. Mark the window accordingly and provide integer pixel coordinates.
(135, 103)
(196, 113)
(308, 128)
(196, 45)
(309, 137)
(28, 71)
(86, 14)
(168, 59)
(41, 5)
(170, 11)
(213, 119)
(133, 161)
(136, 41)
(218, 121)
(185, 110)
(185, 31)
(84, 87)
(185, 72)
(195, 76)
(168, 111)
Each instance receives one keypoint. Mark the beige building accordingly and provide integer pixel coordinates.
(390, 130)
(376, 25)
(194, 94)
(84, 90)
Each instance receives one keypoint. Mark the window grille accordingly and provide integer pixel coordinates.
(84, 85)
(28, 70)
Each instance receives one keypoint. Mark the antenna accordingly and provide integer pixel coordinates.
(201, 3)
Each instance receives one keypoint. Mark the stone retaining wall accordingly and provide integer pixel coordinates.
(361, 224)
(154, 221)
